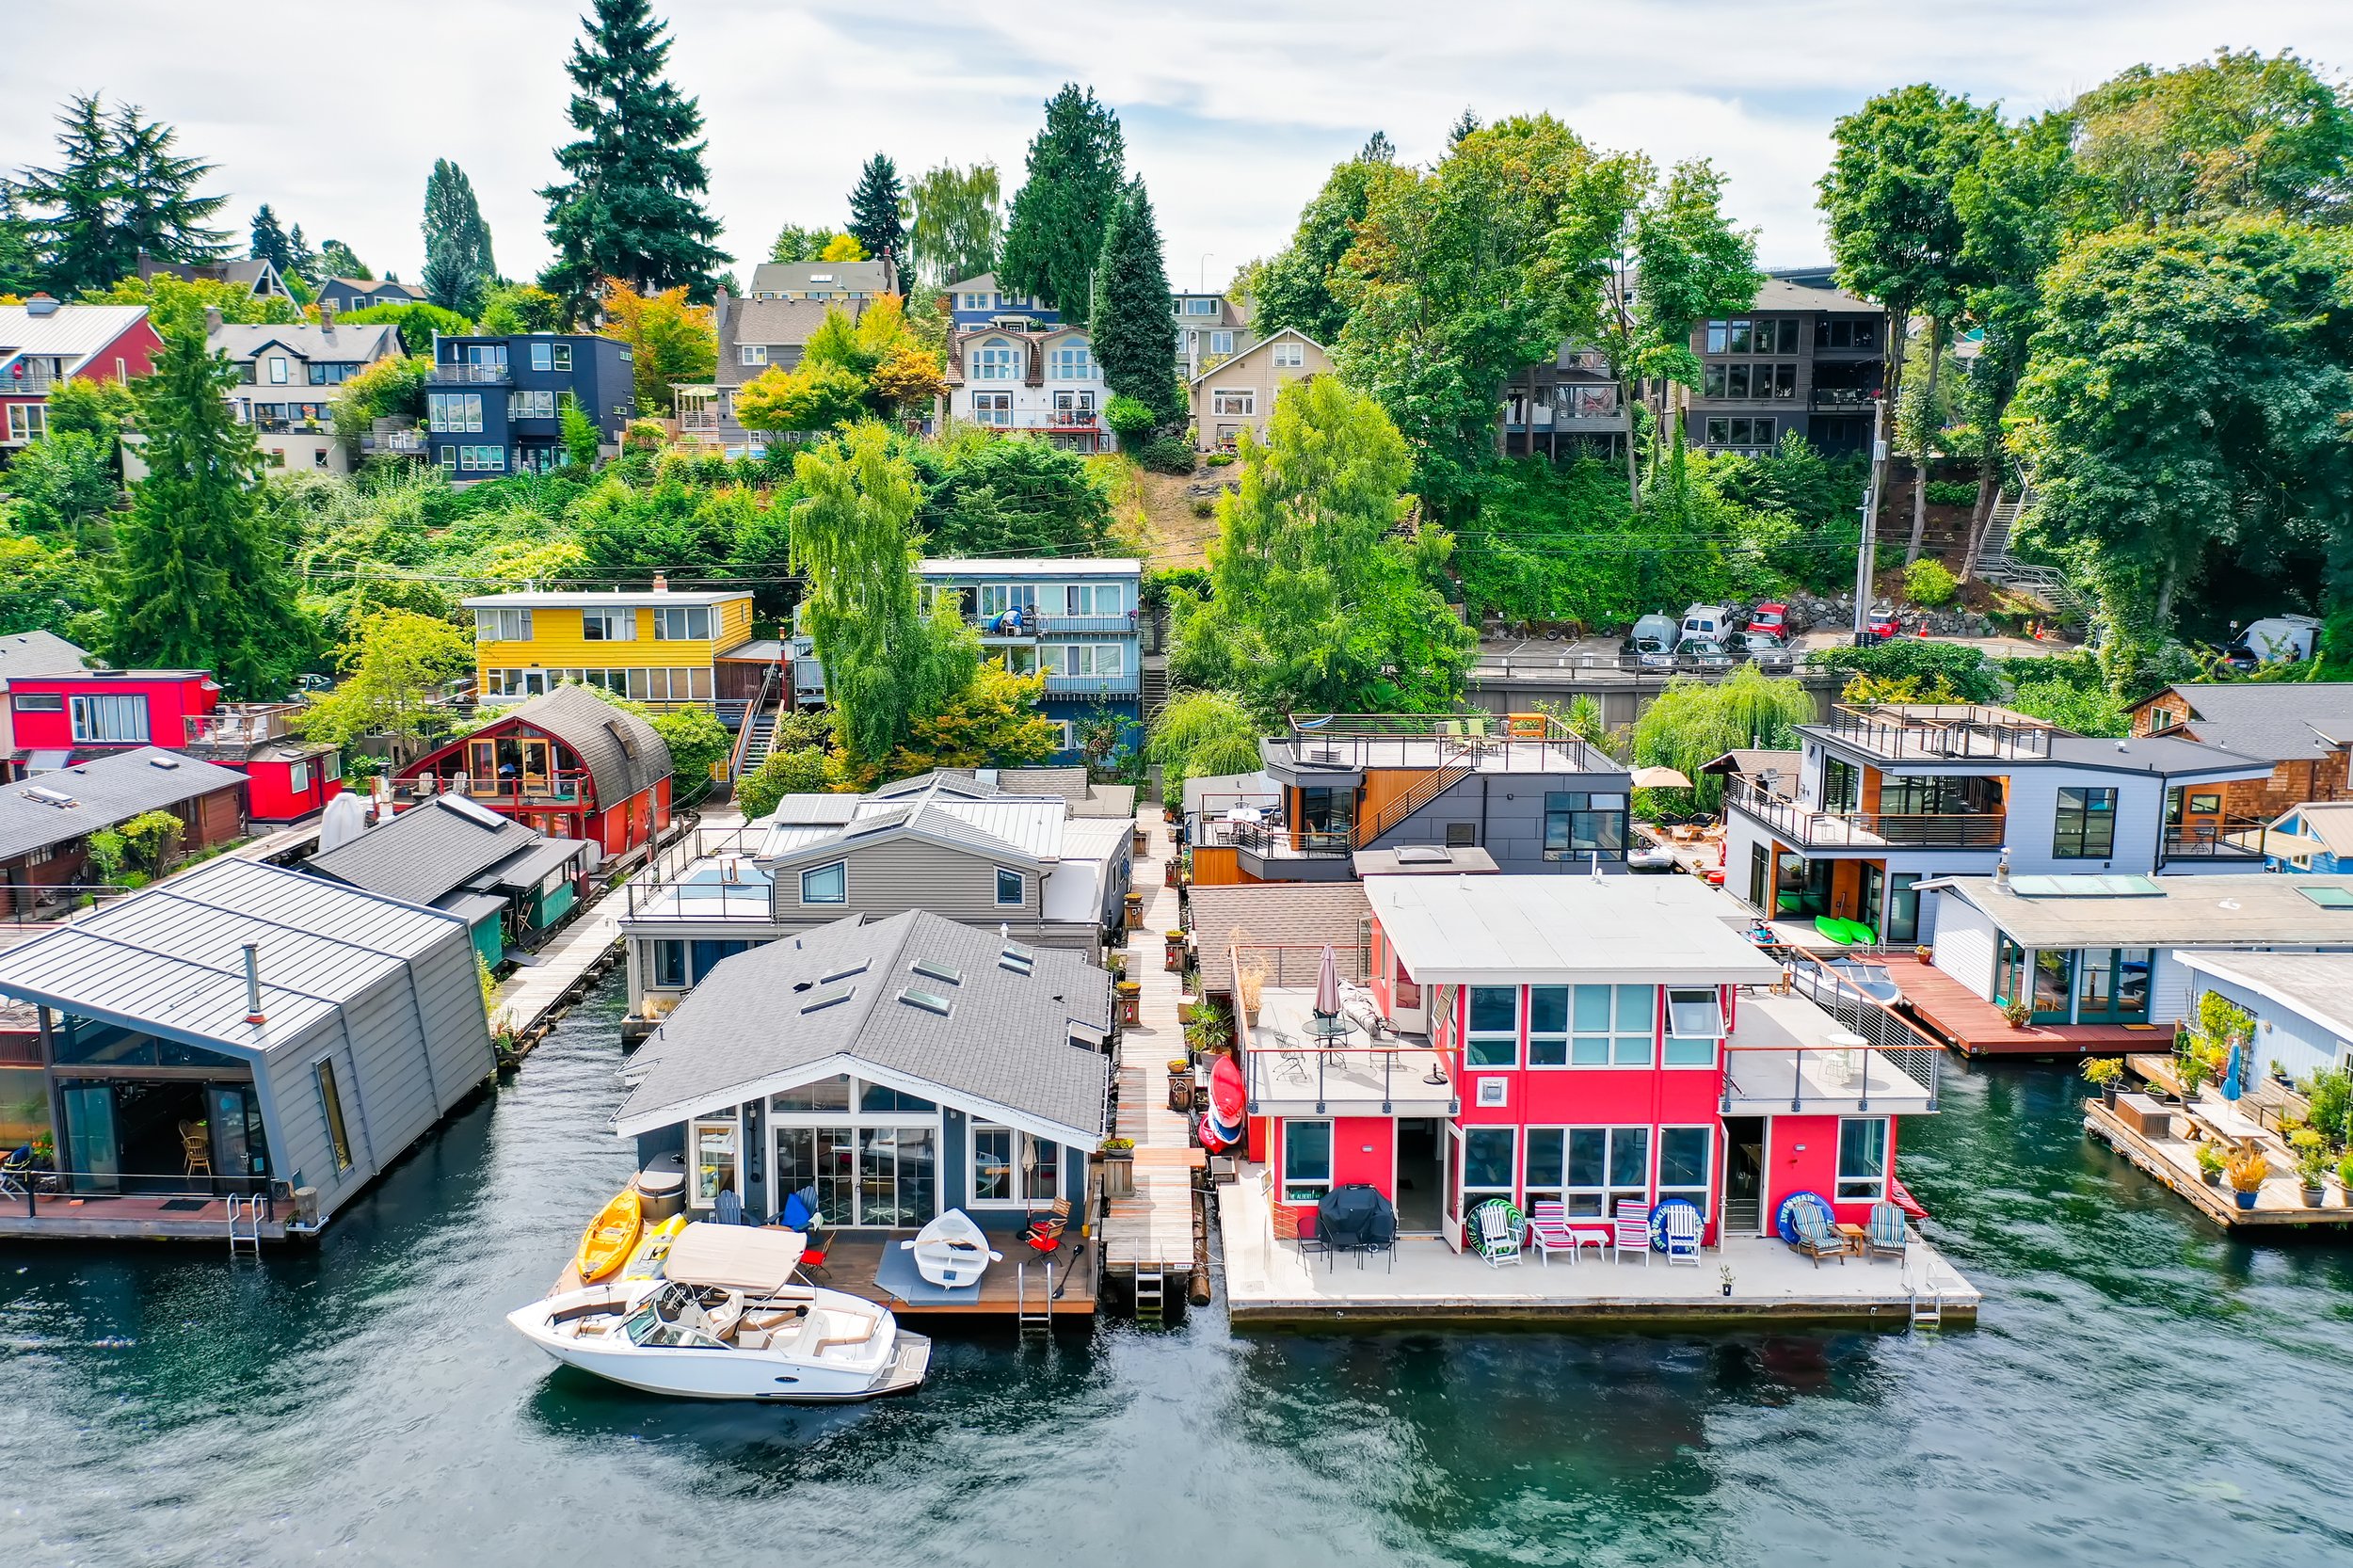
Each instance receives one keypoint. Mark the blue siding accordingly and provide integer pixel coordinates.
(2282, 1034)
(598, 380)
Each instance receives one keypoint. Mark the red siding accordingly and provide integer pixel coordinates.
(1802, 1155)
(270, 793)
(172, 698)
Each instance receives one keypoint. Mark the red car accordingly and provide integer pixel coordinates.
(1770, 617)
(1884, 624)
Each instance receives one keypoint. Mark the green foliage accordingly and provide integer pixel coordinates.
(1694, 722)
(1168, 454)
(1012, 496)
(1952, 492)
(148, 840)
(98, 409)
(1315, 606)
(629, 203)
(581, 438)
(63, 487)
(1201, 735)
(815, 396)
(992, 722)
(630, 534)
(338, 260)
(2240, 133)
(699, 742)
(1130, 419)
(1963, 668)
(1293, 287)
(1888, 197)
(392, 388)
(2069, 690)
(670, 340)
(393, 664)
(1054, 234)
(118, 187)
(46, 584)
(269, 242)
(795, 244)
(201, 581)
(2329, 1104)
(802, 770)
(877, 216)
(458, 267)
(171, 302)
(513, 308)
(958, 224)
(418, 321)
(1132, 308)
(848, 371)
(1927, 582)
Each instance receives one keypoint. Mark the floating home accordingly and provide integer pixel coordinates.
(567, 763)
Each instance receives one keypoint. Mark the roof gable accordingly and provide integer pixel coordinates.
(1226, 366)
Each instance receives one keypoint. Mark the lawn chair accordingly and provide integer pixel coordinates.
(1817, 1237)
(1633, 1232)
(1287, 1229)
(1496, 1229)
(1683, 1235)
(14, 1169)
(1044, 1232)
(727, 1208)
(1887, 1232)
(1550, 1230)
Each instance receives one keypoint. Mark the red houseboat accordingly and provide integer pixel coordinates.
(569, 764)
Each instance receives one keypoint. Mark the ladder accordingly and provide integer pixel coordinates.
(1151, 1295)
(249, 1208)
(1927, 1311)
(1036, 1322)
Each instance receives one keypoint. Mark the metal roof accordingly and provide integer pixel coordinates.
(168, 959)
(1006, 1040)
(2318, 985)
(2198, 910)
(73, 332)
(35, 812)
(531, 867)
(942, 808)
(1554, 930)
(427, 851)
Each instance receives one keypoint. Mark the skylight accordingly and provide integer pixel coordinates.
(2085, 887)
(2330, 898)
(924, 999)
(942, 972)
(832, 999)
(859, 967)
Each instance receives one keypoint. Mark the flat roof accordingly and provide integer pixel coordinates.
(608, 598)
(1550, 930)
(2166, 911)
(2320, 986)
(1076, 566)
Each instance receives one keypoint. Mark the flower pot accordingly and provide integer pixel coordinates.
(2107, 1095)
(1727, 1288)
(2214, 1178)
(2246, 1200)
(2315, 1197)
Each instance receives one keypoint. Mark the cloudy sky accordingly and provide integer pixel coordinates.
(1233, 112)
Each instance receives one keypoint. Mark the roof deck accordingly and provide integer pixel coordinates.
(1353, 743)
(1292, 1070)
(1936, 732)
(1788, 1056)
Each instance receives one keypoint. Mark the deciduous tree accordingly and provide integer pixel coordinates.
(2241, 133)
(794, 243)
(1202, 734)
(1293, 287)
(1056, 232)
(992, 722)
(670, 340)
(958, 224)
(394, 664)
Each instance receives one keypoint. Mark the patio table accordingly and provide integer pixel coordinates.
(2221, 1119)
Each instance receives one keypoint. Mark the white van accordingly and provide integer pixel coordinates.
(1711, 621)
(2275, 639)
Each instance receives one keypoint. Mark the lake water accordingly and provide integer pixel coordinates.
(2142, 1391)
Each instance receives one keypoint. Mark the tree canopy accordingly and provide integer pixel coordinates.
(458, 268)
(1054, 234)
(956, 224)
(1293, 287)
(877, 216)
(2241, 133)
(670, 340)
(119, 186)
(1132, 309)
(848, 371)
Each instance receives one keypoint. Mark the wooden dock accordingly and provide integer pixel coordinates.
(1961, 1018)
(1018, 1287)
(131, 1217)
(1153, 1231)
(530, 997)
(2172, 1162)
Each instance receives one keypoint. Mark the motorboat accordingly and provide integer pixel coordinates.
(1844, 981)
(727, 1321)
(952, 1250)
(1651, 858)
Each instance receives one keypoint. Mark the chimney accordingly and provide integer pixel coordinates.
(41, 305)
(327, 311)
(661, 584)
(2001, 870)
(253, 1014)
(212, 319)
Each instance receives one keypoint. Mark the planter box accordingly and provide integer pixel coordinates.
(1119, 1174)
(2144, 1115)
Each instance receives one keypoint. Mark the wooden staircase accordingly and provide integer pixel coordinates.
(1429, 787)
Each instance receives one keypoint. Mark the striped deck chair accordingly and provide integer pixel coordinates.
(1887, 1233)
(1817, 1237)
(1633, 1233)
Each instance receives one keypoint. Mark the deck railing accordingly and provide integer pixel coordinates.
(2232, 839)
(1811, 829)
(64, 1192)
(473, 374)
(1360, 741)
(1938, 730)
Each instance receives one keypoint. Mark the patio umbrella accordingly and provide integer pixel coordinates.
(1659, 779)
(2232, 1071)
(1328, 984)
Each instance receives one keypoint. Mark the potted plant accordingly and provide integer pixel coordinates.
(2246, 1169)
(2345, 1178)
(2279, 1073)
(2018, 1013)
(2107, 1075)
(1724, 1274)
(1924, 952)
(2311, 1164)
(1250, 987)
(2210, 1163)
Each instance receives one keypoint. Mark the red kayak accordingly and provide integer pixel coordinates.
(1227, 1094)
(1900, 1195)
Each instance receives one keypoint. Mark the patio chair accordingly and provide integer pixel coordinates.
(1044, 1233)
(14, 1169)
(1633, 1232)
(1550, 1230)
(195, 1149)
(1495, 1230)
(1817, 1237)
(1287, 1229)
(1683, 1235)
(1887, 1232)
(728, 1208)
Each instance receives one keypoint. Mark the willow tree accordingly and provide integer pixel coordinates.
(886, 664)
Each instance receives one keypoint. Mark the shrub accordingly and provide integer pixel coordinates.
(1205, 507)
(1927, 582)
(1169, 455)
(1962, 667)
(1130, 419)
(1952, 492)
(1221, 459)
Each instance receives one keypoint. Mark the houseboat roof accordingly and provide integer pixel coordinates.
(168, 959)
(607, 598)
(624, 755)
(2162, 911)
(1086, 798)
(2328, 822)
(2278, 721)
(943, 808)
(1273, 913)
(66, 803)
(2320, 986)
(1087, 566)
(23, 654)
(1553, 930)
(1425, 861)
(437, 846)
(1952, 735)
(987, 1021)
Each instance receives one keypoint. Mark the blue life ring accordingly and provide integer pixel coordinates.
(1784, 1225)
(1658, 1220)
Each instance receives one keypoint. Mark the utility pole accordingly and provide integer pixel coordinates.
(1202, 279)
(1866, 559)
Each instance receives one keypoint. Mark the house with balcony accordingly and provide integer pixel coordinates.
(2303, 728)
(494, 404)
(660, 647)
(1079, 621)
(1238, 391)
(977, 302)
(1211, 329)
(1033, 378)
(769, 328)
(1805, 357)
(43, 343)
(1595, 1042)
(1566, 409)
(567, 763)
(347, 295)
(1886, 797)
(287, 379)
(1520, 786)
(59, 719)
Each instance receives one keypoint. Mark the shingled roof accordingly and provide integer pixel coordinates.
(2276, 721)
(67, 803)
(624, 755)
(427, 851)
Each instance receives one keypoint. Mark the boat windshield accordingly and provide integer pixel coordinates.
(646, 1329)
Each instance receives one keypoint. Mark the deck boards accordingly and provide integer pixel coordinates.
(1961, 1019)
(1154, 1228)
(131, 1218)
(532, 992)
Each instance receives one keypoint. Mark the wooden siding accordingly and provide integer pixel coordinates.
(1218, 866)
(899, 875)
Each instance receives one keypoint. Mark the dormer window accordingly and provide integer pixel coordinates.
(753, 353)
(1071, 360)
(996, 361)
(1197, 307)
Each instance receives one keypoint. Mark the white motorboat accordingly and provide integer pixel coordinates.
(952, 1250)
(727, 1322)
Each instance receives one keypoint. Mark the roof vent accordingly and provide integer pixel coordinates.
(165, 762)
(57, 798)
(924, 1000)
(41, 305)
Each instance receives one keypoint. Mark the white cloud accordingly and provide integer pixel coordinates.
(1233, 111)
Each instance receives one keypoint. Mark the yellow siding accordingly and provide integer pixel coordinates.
(557, 642)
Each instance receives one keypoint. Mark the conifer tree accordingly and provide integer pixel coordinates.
(269, 240)
(457, 264)
(338, 260)
(877, 213)
(1131, 313)
(630, 206)
(1056, 232)
(118, 188)
(301, 260)
(199, 579)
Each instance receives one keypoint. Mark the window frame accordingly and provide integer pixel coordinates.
(88, 728)
(1693, 996)
(1474, 1037)
(695, 618)
(1619, 1037)
(499, 622)
(1020, 1193)
(1233, 402)
(751, 353)
(1020, 890)
(2085, 816)
(1875, 1183)
(841, 870)
(1589, 1200)
(1307, 1188)
(604, 622)
(331, 1095)
(1473, 1195)
(1290, 354)
(1698, 1194)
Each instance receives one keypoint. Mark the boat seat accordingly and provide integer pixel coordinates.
(826, 1327)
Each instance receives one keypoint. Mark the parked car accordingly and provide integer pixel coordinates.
(1765, 650)
(1712, 622)
(1886, 625)
(2273, 640)
(1662, 628)
(1648, 653)
(1771, 616)
(1702, 653)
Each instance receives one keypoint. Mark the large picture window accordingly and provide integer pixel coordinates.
(684, 624)
(826, 884)
(1578, 823)
(1307, 1161)
(1487, 1164)
(1862, 1159)
(1011, 1167)
(1607, 1166)
(996, 361)
(1494, 1037)
(1611, 1025)
(1682, 1153)
(454, 413)
(608, 626)
(502, 626)
(98, 719)
(1070, 359)
(2085, 825)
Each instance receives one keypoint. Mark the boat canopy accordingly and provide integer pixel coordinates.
(759, 1261)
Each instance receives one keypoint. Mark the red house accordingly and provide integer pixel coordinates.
(57, 718)
(569, 763)
(43, 343)
(1594, 1041)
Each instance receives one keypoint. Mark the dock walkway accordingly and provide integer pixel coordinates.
(533, 992)
(1958, 1017)
(1154, 1229)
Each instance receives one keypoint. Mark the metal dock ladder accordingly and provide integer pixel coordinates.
(1036, 1320)
(250, 1210)
(1927, 1311)
(1151, 1295)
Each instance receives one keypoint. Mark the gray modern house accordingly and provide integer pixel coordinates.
(902, 1068)
(240, 1032)
(1805, 358)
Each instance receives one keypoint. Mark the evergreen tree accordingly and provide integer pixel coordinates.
(301, 260)
(1464, 129)
(1378, 148)
(1056, 229)
(269, 240)
(338, 260)
(199, 579)
(118, 190)
(957, 223)
(457, 266)
(1132, 310)
(630, 204)
(794, 243)
(20, 260)
(877, 208)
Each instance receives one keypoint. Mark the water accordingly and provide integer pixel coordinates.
(2142, 1391)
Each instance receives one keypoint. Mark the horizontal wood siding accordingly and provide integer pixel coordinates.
(298, 1151)
(891, 877)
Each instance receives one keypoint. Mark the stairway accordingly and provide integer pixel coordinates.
(1155, 684)
(764, 735)
(1429, 787)
(1997, 565)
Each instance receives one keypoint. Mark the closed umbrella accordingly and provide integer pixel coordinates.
(1328, 984)
(2232, 1071)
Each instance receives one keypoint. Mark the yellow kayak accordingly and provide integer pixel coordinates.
(645, 1262)
(606, 1243)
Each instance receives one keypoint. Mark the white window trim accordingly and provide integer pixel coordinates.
(732, 1123)
(1714, 1039)
(1839, 1178)
(1283, 1182)
(1022, 1198)
(1698, 1197)
(1519, 1022)
(1606, 1190)
(752, 353)
(1614, 1036)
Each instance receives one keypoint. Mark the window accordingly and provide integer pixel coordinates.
(1307, 1161)
(1461, 834)
(1096, 659)
(992, 408)
(277, 371)
(1074, 408)
(454, 413)
(1683, 1164)
(502, 626)
(992, 600)
(1847, 332)
(109, 718)
(682, 624)
(2205, 804)
(531, 405)
(608, 626)
(27, 422)
(542, 356)
(1493, 1039)
(1607, 1166)
(1695, 1021)
(1240, 401)
(332, 1104)
(1487, 1164)
(1547, 1026)
(1544, 1167)
(1288, 354)
(1578, 823)
(826, 884)
(1011, 887)
(1221, 343)
(1201, 307)
(563, 356)
(331, 766)
(1739, 432)
(1579, 402)
(2084, 825)
(1610, 1025)
(712, 1150)
(996, 361)
(1070, 359)
(1861, 1160)
(298, 778)
(1093, 599)
(38, 702)
(1011, 1167)
(752, 353)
